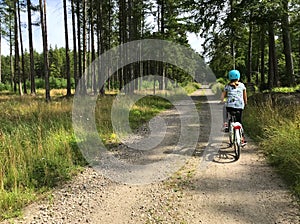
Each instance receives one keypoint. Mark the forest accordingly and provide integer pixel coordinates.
(260, 38)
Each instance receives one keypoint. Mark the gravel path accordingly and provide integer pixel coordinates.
(209, 188)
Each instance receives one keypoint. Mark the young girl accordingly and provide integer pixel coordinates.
(236, 95)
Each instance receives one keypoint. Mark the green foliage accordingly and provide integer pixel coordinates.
(190, 87)
(55, 83)
(223, 81)
(40, 83)
(217, 88)
(5, 87)
(277, 131)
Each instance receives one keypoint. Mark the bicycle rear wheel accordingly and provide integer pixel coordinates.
(237, 144)
(231, 133)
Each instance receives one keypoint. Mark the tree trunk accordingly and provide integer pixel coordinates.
(0, 51)
(123, 39)
(43, 16)
(273, 66)
(93, 72)
(32, 70)
(289, 67)
(17, 56)
(74, 44)
(22, 76)
(130, 18)
(262, 58)
(79, 45)
(299, 58)
(67, 49)
(249, 62)
(12, 72)
(84, 47)
(162, 31)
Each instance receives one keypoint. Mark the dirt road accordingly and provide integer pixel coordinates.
(210, 188)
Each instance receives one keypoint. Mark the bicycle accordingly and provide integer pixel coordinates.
(235, 133)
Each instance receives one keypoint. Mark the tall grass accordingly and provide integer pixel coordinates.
(37, 149)
(276, 127)
(37, 144)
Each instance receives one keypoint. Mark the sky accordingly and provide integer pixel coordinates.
(55, 31)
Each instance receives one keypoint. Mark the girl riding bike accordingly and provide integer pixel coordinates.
(235, 92)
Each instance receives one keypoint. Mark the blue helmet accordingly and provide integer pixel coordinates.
(234, 74)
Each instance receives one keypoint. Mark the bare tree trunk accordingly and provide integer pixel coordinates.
(99, 39)
(84, 36)
(287, 48)
(79, 44)
(17, 56)
(123, 39)
(162, 32)
(67, 49)
(262, 58)
(22, 76)
(249, 61)
(74, 44)
(110, 18)
(45, 47)
(273, 66)
(101, 46)
(32, 70)
(94, 82)
(12, 77)
(0, 51)
(130, 18)
(232, 43)
(87, 57)
(299, 58)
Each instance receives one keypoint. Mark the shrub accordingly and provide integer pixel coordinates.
(5, 87)
(39, 83)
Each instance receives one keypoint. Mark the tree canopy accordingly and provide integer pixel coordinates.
(260, 38)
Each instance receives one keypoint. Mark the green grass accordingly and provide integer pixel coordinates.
(147, 108)
(191, 87)
(276, 128)
(285, 89)
(38, 149)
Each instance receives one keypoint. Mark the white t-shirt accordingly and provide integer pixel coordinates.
(235, 97)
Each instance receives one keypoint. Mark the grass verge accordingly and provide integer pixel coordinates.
(38, 149)
(275, 126)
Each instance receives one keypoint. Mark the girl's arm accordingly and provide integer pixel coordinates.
(223, 95)
(245, 97)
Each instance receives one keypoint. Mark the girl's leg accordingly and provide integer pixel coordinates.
(239, 118)
(239, 115)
